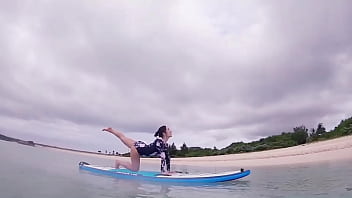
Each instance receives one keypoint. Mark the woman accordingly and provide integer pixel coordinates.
(138, 148)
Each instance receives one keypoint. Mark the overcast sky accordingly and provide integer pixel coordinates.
(215, 72)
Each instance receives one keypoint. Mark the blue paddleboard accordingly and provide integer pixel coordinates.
(174, 177)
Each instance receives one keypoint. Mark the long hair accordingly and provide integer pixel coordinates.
(160, 132)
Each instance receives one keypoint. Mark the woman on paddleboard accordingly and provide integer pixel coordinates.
(138, 148)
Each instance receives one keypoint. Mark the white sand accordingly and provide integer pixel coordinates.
(334, 150)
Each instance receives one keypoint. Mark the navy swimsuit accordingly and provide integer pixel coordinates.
(157, 148)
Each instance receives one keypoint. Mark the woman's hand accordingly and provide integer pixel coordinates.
(166, 173)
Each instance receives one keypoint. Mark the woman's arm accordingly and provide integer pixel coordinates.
(163, 162)
(164, 156)
(167, 159)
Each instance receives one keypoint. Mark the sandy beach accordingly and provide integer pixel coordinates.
(334, 150)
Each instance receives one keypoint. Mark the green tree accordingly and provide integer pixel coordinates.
(320, 129)
(184, 148)
(300, 134)
(312, 135)
(173, 149)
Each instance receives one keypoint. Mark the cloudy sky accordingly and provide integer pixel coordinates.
(214, 72)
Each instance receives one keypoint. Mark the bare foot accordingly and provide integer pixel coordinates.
(110, 130)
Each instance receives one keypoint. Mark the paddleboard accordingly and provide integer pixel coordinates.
(174, 177)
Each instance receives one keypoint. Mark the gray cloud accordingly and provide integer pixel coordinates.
(216, 74)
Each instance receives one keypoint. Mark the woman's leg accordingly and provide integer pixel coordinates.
(126, 140)
(135, 158)
(135, 161)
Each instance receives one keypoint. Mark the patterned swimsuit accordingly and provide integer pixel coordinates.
(156, 148)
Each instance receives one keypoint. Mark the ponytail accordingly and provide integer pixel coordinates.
(160, 132)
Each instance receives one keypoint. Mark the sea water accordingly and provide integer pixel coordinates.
(36, 172)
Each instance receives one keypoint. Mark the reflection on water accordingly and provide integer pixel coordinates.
(137, 188)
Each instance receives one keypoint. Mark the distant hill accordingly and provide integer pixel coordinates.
(31, 143)
(10, 139)
(6, 138)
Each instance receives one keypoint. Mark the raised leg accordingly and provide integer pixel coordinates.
(126, 140)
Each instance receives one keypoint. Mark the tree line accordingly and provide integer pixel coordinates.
(299, 135)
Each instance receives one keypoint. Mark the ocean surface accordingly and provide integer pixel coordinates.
(36, 172)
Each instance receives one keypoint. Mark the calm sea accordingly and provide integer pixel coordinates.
(35, 172)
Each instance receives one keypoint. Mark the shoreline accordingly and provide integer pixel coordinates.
(333, 150)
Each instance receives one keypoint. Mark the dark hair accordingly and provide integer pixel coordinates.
(160, 132)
